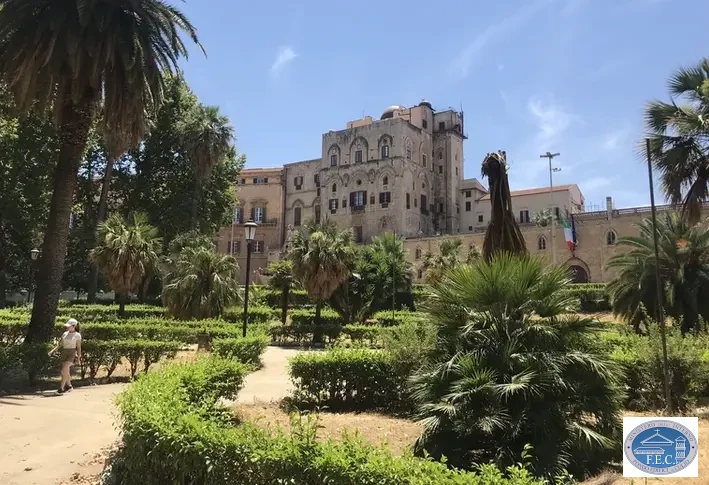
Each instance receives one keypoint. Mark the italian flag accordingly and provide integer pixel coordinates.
(569, 232)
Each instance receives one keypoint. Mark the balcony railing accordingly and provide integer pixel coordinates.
(357, 209)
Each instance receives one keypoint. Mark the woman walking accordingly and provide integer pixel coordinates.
(70, 346)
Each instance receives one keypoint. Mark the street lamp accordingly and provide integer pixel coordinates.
(550, 156)
(34, 254)
(250, 233)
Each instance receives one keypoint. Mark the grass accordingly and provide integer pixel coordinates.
(398, 434)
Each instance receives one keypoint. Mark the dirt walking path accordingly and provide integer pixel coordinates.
(46, 437)
(50, 439)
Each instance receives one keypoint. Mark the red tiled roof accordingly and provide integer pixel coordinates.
(539, 190)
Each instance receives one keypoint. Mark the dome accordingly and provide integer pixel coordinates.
(425, 103)
(389, 112)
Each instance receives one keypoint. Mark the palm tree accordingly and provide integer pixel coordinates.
(71, 55)
(116, 142)
(679, 139)
(502, 233)
(448, 257)
(281, 278)
(126, 253)
(200, 283)
(322, 257)
(208, 137)
(684, 270)
(393, 269)
(509, 370)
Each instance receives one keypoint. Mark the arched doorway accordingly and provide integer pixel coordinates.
(578, 274)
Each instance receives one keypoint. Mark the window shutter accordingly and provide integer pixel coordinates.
(381, 197)
(263, 214)
(253, 213)
(228, 247)
(352, 197)
(364, 198)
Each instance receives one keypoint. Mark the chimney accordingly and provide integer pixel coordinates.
(609, 207)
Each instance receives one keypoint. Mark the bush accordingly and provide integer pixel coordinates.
(257, 315)
(297, 298)
(386, 319)
(96, 313)
(410, 344)
(175, 431)
(306, 317)
(245, 350)
(303, 332)
(592, 297)
(108, 354)
(35, 360)
(347, 379)
(641, 357)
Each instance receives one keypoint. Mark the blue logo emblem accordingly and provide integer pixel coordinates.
(660, 447)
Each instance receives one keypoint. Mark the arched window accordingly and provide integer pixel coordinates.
(385, 148)
(334, 188)
(423, 185)
(542, 243)
(418, 253)
(385, 180)
(611, 237)
(420, 273)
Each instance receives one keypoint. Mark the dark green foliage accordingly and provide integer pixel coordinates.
(108, 354)
(174, 431)
(327, 317)
(245, 350)
(256, 314)
(641, 358)
(388, 318)
(592, 297)
(684, 269)
(296, 298)
(347, 380)
(35, 360)
(679, 139)
(510, 370)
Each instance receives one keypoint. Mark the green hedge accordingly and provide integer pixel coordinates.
(305, 333)
(296, 298)
(96, 313)
(97, 354)
(245, 350)
(387, 319)
(592, 297)
(347, 379)
(174, 431)
(305, 317)
(641, 357)
(186, 332)
(257, 315)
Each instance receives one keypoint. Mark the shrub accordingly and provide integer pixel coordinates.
(109, 354)
(347, 379)
(9, 359)
(297, 298)
(174, 431)
(97, 313)
(257, 315)
(245, 350)
(35, 360)
(410, 344)
(303, 332)
(304, 317)
(591, 297)
(641, 357)
(387, 319)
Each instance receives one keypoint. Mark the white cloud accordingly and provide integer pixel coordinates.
(552, 121)
(286, 54)
(473, 51)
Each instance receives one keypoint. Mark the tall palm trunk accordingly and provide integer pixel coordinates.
(73, 134)
(100, 217)
(285, 296)
(196, 196)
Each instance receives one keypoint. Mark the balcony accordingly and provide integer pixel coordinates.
(357, 209)
(267, 223)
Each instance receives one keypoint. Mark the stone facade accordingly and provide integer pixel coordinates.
(260, 195)
(404, 174)
(596, 235)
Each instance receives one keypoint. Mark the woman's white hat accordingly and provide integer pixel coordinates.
(71, 323)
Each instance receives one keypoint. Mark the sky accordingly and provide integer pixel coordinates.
(567, 76)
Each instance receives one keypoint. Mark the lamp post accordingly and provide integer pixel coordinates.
(34, 254)
(551, 156)
(250, 233)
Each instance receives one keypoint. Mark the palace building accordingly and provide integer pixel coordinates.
(403, 173)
